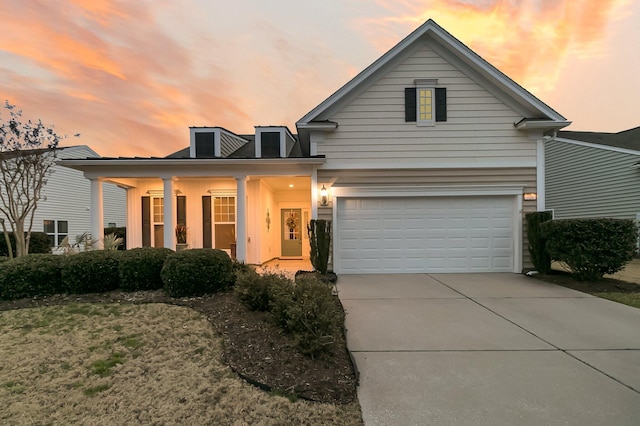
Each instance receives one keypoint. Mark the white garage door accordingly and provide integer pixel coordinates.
(424, 234)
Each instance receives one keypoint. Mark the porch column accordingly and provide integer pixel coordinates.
(314, 193)
(97, 213)
(169, 215)
(241, 220)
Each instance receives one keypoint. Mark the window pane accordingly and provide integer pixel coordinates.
(225, 235)
(49, 226)
(158, 210)
(60, 238)
(63, 227)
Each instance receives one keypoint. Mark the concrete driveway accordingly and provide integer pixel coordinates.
(494, 349)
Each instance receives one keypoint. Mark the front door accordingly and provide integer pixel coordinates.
(291, 232)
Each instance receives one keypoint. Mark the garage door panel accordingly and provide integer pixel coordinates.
(425, 234)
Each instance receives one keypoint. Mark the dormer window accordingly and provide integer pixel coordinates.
(213, 142)
(273, 142)
(425, 104)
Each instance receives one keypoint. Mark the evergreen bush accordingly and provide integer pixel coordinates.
(197, 272)
(39, 243)
(91, 271)
(314, 317)
(320, 240)
(537, 243)
(140, 268)
(30, 276)
(591, 248)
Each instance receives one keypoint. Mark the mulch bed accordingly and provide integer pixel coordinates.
(256, 350)
(604, 285)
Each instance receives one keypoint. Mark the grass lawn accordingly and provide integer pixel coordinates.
(133, 364)
(607, 288)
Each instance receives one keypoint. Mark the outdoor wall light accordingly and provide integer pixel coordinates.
(324, 197)
(530, 196)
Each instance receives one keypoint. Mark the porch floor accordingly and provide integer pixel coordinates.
(287, 266)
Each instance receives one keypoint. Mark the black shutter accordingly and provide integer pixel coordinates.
(206, 221)
(146, 221)
(441, 104)
(181, 210)
(410, 110)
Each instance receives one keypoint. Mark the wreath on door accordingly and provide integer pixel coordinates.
(291, 221)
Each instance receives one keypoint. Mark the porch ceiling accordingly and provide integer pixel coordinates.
(282, 183)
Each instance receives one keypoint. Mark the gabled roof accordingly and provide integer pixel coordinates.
(432, 31)
(628, 139)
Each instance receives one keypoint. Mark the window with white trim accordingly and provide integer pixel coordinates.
(224, 221)
(425, 101)
(157, 216)
(425, 104)
(57, 230)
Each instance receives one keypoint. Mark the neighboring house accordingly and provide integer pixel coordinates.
(423, 161)
(591, 174)
(64, 209)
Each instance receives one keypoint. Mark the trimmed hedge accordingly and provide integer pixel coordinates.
(591, 248)
(197, 272)
(91, 271)
(537, 243)
(39, 243)
(30, 276)
(140, 268)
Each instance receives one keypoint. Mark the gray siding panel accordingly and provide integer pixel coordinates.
(372, 127)
(590, 182)
(229, 144)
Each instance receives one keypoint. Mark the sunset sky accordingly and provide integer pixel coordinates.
(132, 76)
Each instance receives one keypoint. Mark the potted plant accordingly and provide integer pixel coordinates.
(181, 237)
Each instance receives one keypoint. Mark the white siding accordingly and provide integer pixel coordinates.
(67, 197)
(587, 182)
(372, 131)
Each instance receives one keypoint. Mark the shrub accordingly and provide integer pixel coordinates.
(197, 272)
(591, 247)
(30, 276)
(119, 232)
(39, 243)
(280, 291)
(320, 240)
(252, 290)
(537, 243)
(314, 318)
(91, 272)
(140, 268)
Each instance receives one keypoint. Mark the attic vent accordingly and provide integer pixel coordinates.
(205, 145)
(270, 144)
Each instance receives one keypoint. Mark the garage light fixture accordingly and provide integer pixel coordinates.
(324, 196)
(530, 196)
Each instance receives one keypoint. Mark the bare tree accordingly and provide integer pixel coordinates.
(27, 154)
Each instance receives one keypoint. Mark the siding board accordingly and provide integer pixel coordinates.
(372, 125)
(590, 182)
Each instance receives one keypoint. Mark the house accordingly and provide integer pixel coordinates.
(591, 174)
(64, 209)
(425, 162)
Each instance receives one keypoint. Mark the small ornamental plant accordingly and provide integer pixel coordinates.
(181, 234)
